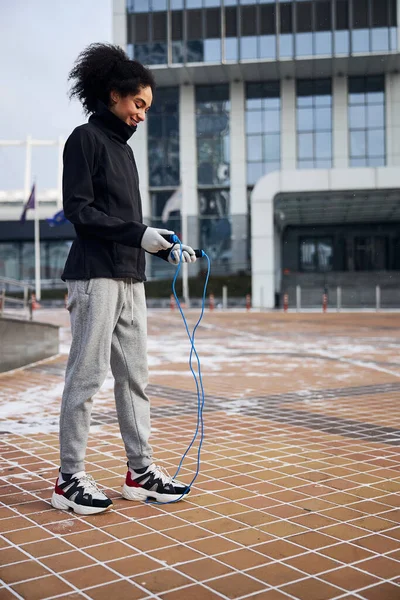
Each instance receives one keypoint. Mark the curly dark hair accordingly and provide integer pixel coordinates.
(101, 68)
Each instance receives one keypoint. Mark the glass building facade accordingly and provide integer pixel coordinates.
(265, 87)
(314, 123)
(205, 31)
(263, 129)
(163, 136)
(367, 128)
(213, 170)
(17, 259)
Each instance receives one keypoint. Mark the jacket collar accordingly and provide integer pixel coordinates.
(112, 125)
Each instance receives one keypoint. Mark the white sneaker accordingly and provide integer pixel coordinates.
(153, 484)
(81, 494)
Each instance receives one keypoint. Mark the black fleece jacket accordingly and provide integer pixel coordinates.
(101, 198)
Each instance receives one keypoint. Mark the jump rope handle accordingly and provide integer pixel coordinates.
(173, 239)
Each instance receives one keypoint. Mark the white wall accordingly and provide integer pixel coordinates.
(340, 142)
(188, 159)
(288, 124)
(238, 174)
(392, 88)
(139, 145)
(119, 23)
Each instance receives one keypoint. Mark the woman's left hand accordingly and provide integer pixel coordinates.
(188, 254)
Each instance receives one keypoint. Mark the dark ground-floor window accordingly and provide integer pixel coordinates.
(316, 254)
(17, 259)
(370, 253)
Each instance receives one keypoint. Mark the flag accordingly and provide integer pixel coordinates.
(58, 219)
(173, 203)
(30, 204)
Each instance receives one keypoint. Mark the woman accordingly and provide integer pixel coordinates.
(105, 271)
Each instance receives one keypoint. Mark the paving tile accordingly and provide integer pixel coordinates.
(205, 568)
(11, 555)
(235, 585)
(67, 561)
(311, 589)
(161, 581)
(45, 587)
(21, 571)
(46, 547)
(6, 594)
(349, 578)
(249, 537)
(269, 595)
(275, 574)
(377, 543)
(213, 545)
(31, 534)
(381, 566)
(312, 563)
(194, 592)
(382, 591)
(279, 549)
(243, 559)
(313, 540)
(175, 554)
(89, 576)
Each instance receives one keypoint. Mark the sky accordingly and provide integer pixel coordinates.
(39, 42)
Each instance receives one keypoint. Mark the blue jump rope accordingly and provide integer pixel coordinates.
(173, 239)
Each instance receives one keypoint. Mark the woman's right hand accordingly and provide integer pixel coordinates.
(152, 240)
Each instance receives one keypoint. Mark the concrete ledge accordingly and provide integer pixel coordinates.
(24, 342)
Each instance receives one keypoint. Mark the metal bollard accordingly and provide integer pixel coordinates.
(324, 302)
(212, 302)
(338, 298)
(248, 302)
(285, 302)
(298, 298)
(225, 297)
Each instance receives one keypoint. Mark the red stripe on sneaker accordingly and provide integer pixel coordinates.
(58, 490)
(131, 482)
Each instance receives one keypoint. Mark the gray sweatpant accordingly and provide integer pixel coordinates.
(109, 326)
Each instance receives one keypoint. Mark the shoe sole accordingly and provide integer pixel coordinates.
(141, 495)
(61, 503)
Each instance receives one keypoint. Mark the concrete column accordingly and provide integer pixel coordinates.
(278, 257)
(398, 28)
(188, 163)
(392, 97)
(263, 266)
(288, 125)
(340, 123)
(119, 23)
(238, 176)
(138, 142)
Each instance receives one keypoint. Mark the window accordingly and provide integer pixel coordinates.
(215, 227)
(316, 254)
(212, 30)
(370, 253)
(163, 138)
(366, 113)
(263, 129)
(314, 124)
(9, 260)
(213, 138)
(17, 259)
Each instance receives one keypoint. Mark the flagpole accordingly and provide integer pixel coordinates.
(37, 250)
(28, 167)
(28, 178)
